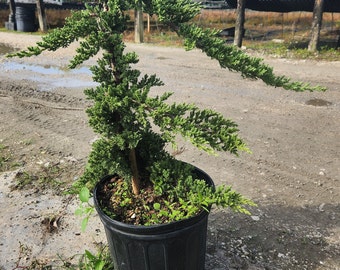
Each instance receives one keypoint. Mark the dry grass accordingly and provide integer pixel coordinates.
(3, 17)
(220, 19)
(261, 28)
(56, 18)
(266, 22)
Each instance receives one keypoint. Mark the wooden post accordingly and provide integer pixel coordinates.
(11, 11)
(316, 25)
(41, 15)
(239, 26)
(11, 24)
(139, 27)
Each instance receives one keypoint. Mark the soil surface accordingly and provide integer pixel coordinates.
(293, 173)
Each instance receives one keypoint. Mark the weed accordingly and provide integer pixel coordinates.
(87, 261)
(26, 142)
(8, 161)
(46, 177)
(2, 146)
(5, 158)
(23, 180)
(295, 50)
(24, 261)
(97, 262)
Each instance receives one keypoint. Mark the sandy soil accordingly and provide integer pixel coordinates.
(292, 174)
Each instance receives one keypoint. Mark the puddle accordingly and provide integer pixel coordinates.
(46, 70)
(318, 102)
(4, 49)
(46, 75)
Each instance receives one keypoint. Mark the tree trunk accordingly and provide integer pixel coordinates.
(41, 16)
(135, 174)
(139, 27)
(11, 11)
(316, 25)
(239, 27)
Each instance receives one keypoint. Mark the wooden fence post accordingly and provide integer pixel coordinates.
(139, 25)
(316, 25)
(41, 15)
(239, 25)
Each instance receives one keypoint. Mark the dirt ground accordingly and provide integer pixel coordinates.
(292, 174)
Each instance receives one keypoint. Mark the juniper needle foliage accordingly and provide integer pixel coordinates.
(124, 112)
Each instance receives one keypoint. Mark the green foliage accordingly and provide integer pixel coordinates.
(236, 60)
(98, 261)
(85, 209)
(92, 262)
(166, 172)
(89, 260)
(124, 113)
(7, 160)
(176, 12)
(179, 194)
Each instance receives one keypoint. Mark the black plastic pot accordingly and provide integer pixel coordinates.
(25, 17)
(175, 246)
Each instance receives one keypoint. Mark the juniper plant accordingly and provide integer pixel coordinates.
(124, 112)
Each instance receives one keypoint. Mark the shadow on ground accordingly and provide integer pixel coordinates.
(274, 237)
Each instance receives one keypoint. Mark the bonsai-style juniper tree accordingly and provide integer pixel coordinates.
(124, 112)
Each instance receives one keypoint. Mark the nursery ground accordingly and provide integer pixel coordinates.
(292, 174)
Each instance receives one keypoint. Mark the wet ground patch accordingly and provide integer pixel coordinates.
(45, 75)
(4, 49)
(318, 102)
